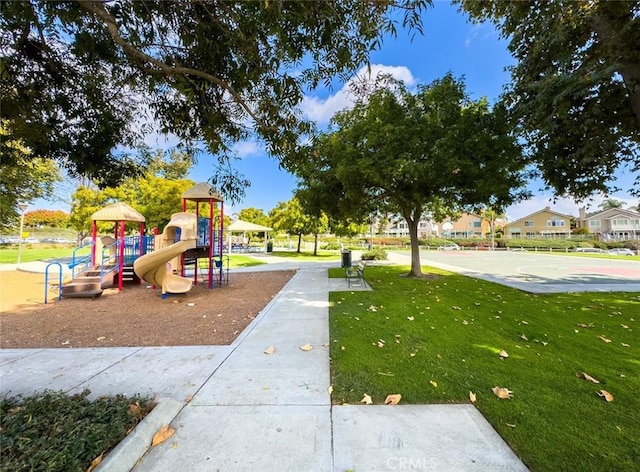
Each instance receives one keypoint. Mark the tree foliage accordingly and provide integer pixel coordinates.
(84, 80)
(290, 217)
(23, 177)
(408, 153)
(154, 195)
(50, 218)
(575, 87)
(254, 215)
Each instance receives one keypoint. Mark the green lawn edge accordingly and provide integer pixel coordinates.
(448, 329)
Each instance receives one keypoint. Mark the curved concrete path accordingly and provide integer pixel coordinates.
(244, 410)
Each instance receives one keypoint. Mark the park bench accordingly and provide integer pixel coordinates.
(356, 274)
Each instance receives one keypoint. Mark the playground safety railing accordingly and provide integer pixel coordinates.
(80, 262)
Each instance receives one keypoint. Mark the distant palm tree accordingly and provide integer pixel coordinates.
(609, 203)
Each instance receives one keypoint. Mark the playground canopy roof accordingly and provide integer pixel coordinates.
(202, 192)
(117, 212)
(240, 226)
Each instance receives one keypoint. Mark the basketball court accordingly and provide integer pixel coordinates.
(537, 272)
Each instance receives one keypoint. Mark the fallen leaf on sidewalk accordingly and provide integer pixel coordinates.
(270, 350)
(162, 435)
(330, 389)
(393, 399)
(189, 398)
(306, 347)
(366, 400)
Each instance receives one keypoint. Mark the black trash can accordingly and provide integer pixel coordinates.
(346, 259)
(269, 246)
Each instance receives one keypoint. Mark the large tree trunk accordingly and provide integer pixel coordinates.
(416, 269)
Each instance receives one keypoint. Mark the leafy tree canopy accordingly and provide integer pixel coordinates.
(575, 87)
(81, 80)
(23, 177)
(408, 153)
(254, 215)
(153, 194)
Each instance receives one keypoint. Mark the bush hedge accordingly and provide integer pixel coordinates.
(52, 431)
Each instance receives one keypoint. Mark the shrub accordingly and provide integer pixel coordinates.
(52, 431)
(374, 255)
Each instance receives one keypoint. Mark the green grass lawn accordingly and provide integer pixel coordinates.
(34, 252)
(235, 261)
(449, 329)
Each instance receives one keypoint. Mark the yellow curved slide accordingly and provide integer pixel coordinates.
(152, 268)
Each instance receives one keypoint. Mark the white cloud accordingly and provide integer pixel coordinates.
(321, 110)
(247, 148)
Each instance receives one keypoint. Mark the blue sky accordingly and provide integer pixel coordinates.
(450, 44)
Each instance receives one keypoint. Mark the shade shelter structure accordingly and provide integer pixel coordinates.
(244, 227)
(119, 213)
(210, 228)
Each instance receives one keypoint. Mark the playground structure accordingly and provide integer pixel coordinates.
(178, 236)
(108, 261)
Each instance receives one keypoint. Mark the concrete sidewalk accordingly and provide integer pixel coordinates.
(252, 411)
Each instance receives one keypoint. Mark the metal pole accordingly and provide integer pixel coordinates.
(23, 207)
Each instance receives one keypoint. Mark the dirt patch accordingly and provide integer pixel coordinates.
(136, 316)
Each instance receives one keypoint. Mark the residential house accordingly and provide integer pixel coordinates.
(545, 223)
(611, 224)
(400, 229)
(467, 226)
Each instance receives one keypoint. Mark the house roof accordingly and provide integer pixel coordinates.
(202, 192)
(544, 210)
(612, 213)
(117, 212)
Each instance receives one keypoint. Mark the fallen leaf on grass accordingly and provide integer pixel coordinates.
(606, 395)
(162, 435)
(95, 462)
(503, 354)
(366, 400)
(306, 347)
(510, 425)
(410, 318)
(524, 336)
(502, 392)
(372, 308)
(393, 399)
(624, 345)
(270, 350)
(472, 397)
(589, 378)
(135, 409)
(434, 383)
(602, 338)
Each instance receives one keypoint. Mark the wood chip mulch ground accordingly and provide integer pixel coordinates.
(136, 316)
